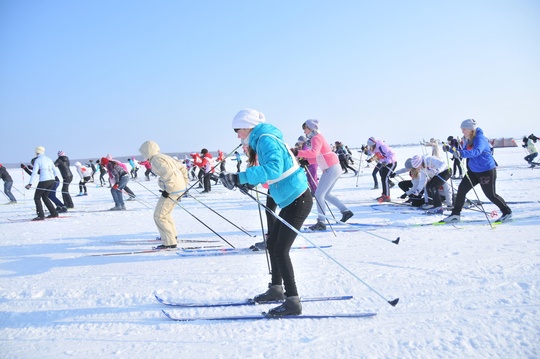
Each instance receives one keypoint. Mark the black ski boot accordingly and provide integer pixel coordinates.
(273, 294)
(291, 306)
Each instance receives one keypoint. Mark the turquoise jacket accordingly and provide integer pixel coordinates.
(276, 163)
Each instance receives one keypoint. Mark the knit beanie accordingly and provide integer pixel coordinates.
(408, 164)
(313, 125)
(416, 161)
(371, 141)
(302, 139)
(247, 118)
(469, 124)
(40, 150)
(61, 153)
(104, 161)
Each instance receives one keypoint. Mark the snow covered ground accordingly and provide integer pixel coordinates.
(465, 291)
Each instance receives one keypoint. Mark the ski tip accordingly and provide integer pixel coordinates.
(396, 241)
(166, 313)
(394, 302)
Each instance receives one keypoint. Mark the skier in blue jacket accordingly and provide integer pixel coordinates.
(288, 185)
(481, 169)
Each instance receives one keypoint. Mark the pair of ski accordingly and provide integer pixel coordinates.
(198, 251)
(32, 220)
(263, 315)
(155, 249)
(203, 252)
(146, 251)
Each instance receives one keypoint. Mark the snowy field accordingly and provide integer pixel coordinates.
(466, 291)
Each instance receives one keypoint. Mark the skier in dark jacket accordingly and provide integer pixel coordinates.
(62, 162)
(8, 183)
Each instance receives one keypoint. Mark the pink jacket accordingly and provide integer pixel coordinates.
(384, 153)
(320, 153)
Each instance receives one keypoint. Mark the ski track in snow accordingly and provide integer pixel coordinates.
(467, 291)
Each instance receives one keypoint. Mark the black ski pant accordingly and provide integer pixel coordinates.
(206, 182)
(82, 184)
(487, 181)
(345, 166)
(270, 218)
(457, 164)
(42, 194)
(385, 178)
(65, 192)
(281, 238)
(432, 187)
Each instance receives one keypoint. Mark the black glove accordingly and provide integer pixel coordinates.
(23, 166)
(164, 194)
(403, 196)
(294, 152)
(392, 174)
(229, 180)
(446, 148)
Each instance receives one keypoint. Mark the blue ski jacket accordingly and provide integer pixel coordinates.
(277, 166)
(478, 153)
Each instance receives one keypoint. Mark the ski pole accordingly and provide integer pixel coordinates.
(319, 206)
(392, 302)
(359, 168)
(217, 164)
(395, 241)
(476, 194)
(191, 214)
(264, 238)
(240, 228)
(451, 175)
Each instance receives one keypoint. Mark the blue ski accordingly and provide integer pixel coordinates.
(223, 251)
(265, 316)
(245, 302)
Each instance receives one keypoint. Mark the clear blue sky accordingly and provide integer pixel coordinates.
(97, 77)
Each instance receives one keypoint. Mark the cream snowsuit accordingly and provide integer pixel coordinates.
(172, 178)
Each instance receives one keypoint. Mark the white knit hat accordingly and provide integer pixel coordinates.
(469, 124)
(371, 141)
(247, 118)
(416, 161)
(40, 150)
(313, 125)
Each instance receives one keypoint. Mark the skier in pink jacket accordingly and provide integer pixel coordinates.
(328, 162)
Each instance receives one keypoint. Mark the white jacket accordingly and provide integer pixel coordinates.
(432, 167)
(44, 168)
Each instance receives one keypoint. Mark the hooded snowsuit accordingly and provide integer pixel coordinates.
(172, 179)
